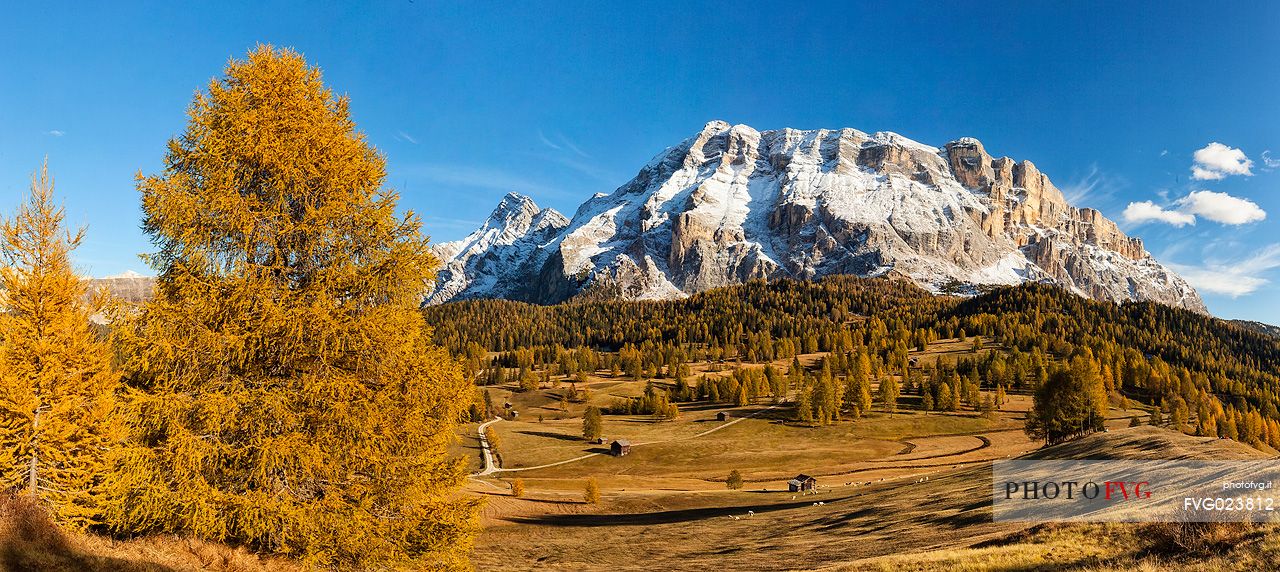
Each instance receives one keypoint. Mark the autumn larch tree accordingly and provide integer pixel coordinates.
(592, 423)
(1072, 402)
(888, 391)
(57, 384)
(284, 392)
(734, 481)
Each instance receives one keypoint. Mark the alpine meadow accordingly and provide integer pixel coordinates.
(608, 287)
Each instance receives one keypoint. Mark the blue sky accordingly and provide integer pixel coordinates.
(562, 100)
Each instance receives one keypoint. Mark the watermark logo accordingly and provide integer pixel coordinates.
(1134, 491)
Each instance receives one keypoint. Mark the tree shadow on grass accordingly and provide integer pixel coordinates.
(31, 542)
(660, 517)
(551, 435)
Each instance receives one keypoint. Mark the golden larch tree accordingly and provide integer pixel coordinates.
(283, 391)
(57, 384)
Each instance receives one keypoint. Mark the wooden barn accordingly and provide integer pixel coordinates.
(620, 447)
(802, 483)
(722, 416)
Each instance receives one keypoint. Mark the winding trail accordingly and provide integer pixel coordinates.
(485, 451)
(489, 469)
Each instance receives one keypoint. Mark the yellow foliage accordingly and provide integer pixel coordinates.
(57, 386)
(283, 392)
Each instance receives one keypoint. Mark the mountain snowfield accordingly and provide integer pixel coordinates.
(731, 204)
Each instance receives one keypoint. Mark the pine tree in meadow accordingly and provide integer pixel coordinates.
(284, 393)
(57, 385)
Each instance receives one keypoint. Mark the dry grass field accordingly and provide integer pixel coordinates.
(906, 490)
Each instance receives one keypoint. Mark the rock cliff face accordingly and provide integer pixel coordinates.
(731, 204)
(129, 287)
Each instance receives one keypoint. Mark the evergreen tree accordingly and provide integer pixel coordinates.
(284, 392)
(57, 386)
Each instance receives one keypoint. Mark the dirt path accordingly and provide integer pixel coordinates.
(485, 452)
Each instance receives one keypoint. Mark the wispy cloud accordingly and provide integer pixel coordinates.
(562, 143)
(543, 137)
(567, 154)
(481, 178)
(1268, 161)
(55, 133)
(1095, 186)
(1164, 152)
(1217, 161)
(1235, 277)
(432, 222)
(402, 136)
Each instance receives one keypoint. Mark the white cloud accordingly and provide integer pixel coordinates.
(1215, 206)
(1221, 207)
(1147, 211)
(1217, 161)
(401, 135)
(1233, 278)
(1268, 161)
(55, 133)
(1164, 152)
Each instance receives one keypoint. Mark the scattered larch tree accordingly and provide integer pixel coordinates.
(284, 393)
(517, 488)
(592, 423)
(888, 393)
(734, 481)
(591, 492)
(1071, 403)
(57, 385)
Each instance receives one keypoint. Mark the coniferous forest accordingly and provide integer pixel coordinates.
(1211, 377)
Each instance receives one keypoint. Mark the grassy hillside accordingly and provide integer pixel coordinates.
(895, 519)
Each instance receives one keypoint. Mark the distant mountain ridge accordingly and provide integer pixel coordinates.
(731, 204)
(1268, 329)
(128, 286)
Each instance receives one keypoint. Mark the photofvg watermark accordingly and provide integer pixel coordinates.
(1135, 491)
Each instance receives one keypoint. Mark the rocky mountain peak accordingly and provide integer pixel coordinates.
(732, 203)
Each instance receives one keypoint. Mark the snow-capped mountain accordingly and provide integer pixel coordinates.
(731, 204)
